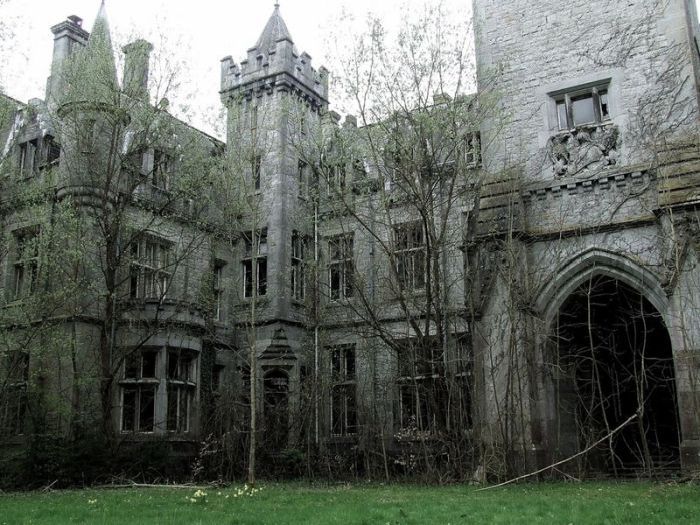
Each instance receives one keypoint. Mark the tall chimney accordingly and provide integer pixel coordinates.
(136, 57)
(68, 36)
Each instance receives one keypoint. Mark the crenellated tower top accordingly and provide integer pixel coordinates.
(274, 63)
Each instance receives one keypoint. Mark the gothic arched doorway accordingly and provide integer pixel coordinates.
(276, 410)
(613, 359)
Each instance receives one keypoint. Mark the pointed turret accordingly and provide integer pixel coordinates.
(91, 116)
(274, 59)
(275, 31)
(90, 74)
(99, 53)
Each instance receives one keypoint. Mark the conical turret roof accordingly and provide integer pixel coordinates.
(99, 52)
(275, 30)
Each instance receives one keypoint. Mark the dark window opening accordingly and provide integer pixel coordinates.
(13, 394)
(341, 266)
(343, 409)
(218, 290)
(255, 264)
(275, 410)
(423, 390)
(410, 256)
(298, 277)
(257, 168)
(26, 263)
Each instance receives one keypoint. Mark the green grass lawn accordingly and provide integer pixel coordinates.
(599, 503)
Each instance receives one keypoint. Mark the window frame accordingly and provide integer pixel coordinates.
(472, 149)
(255, 256)
(564, 105)
(410, 256)
(181, 389)
(298, 273)
(29, 160)
(341, 262)
(137, 382)
(218, 289)
(26, 266)
(150, 274)
(162, 170)
(147, 374)
(343, 390)
(421, 387)
(256, 171)
(14, 402)
(302, 178)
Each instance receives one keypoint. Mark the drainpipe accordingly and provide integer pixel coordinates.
(316, 349)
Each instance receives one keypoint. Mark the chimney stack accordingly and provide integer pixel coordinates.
(136, 57)
(69, 35)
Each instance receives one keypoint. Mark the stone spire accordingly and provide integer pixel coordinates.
(275, 30)
(99, 53)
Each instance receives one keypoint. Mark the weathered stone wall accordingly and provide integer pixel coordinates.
(615, 197)
(532, 50)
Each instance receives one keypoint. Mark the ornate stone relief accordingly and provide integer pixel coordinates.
(583, 149)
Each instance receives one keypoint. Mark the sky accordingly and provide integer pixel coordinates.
(195, 34)
(198, 34)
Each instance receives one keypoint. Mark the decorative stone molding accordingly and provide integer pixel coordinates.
(583, 149)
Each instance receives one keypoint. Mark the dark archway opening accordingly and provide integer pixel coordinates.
(615, 359)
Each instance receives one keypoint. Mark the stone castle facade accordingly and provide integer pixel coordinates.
(146, 265)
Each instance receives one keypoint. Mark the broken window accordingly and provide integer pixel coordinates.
(422, 388)
(52, 151)
(341, 266)
(150, 272)
(26, 264)
(343, 409)
(139, 388)
(302, 178)
(181, 388)
(29, 157)
(255, 264)
(580, 107)
(409, 253)
(160, 177)
(298, 277)
(147, 375)
(472, 149)
(256, 169)
(13, 395)
(218, 289)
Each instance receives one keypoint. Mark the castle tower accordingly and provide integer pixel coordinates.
(88, 106)
(592, 169)
(274, 99)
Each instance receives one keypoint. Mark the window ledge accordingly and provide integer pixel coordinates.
(261, 300)
(584, 127)
(343, 438)
(147, 381)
